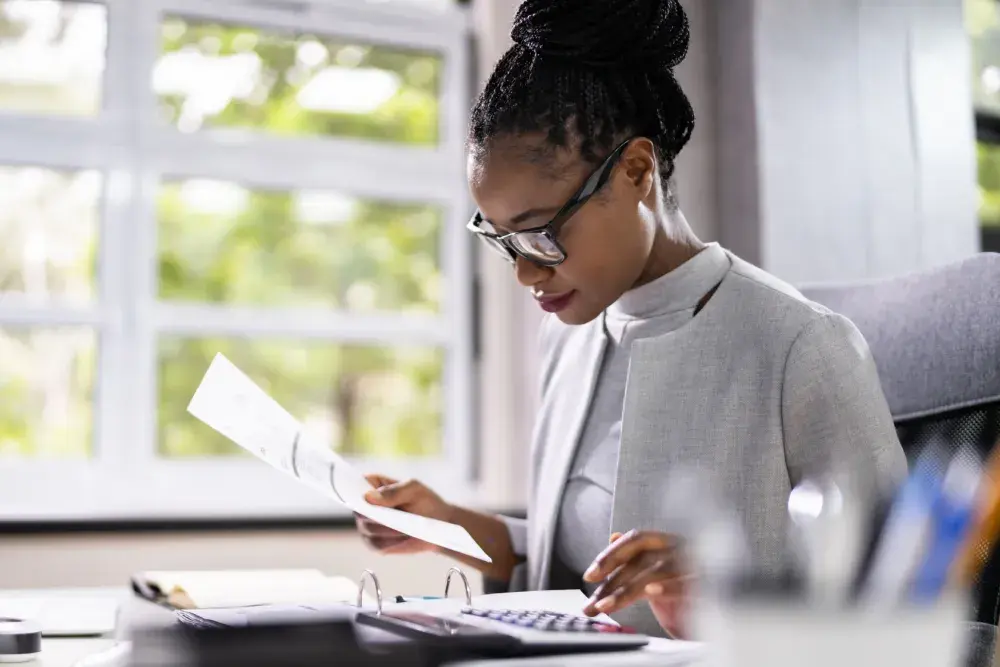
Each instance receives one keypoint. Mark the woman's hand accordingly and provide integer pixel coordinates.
(641, 565)
(410, 496)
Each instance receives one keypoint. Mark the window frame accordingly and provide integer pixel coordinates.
(124, 478)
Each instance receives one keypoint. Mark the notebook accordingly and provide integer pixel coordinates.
(210, 589)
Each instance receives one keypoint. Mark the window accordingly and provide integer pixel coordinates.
(983, 23)
(280, 182)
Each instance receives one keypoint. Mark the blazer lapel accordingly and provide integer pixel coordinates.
(579, 367)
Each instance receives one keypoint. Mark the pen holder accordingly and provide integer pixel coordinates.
(771, 634)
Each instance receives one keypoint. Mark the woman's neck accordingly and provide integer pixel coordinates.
(673, 244)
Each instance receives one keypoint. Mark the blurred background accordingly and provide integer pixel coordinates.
(283, 181)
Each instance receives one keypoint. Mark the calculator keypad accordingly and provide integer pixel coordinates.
(548, 621)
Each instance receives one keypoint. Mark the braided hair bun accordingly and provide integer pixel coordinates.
(605, 33)
(591, 73)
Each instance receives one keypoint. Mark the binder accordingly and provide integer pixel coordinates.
(371, 594)
(369, 575)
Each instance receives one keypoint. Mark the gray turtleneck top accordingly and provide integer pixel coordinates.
(653, 309)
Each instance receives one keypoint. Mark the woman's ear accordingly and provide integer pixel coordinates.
(640, 166)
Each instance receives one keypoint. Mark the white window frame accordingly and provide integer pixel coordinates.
(124, 478)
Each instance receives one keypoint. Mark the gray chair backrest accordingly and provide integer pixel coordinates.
(935, 338)
(935, 335)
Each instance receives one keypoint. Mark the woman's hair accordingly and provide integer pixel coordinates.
(596, 72)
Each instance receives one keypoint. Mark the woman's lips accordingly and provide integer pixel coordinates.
(556, 302)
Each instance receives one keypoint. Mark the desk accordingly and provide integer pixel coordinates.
(65, 652)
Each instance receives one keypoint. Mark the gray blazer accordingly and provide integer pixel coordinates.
(761, 388)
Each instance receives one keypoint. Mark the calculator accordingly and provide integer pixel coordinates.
(505, 632)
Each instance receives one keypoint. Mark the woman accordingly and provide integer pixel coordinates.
(660, 351)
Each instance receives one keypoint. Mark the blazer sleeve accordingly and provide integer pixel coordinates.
(833, 408)
(518, 529)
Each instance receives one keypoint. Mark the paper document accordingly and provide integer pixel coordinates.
(230, 402)
(211, 589)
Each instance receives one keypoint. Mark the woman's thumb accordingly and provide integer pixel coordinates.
(390, 495)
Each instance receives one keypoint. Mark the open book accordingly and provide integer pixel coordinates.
(230, 402)
(243, 588)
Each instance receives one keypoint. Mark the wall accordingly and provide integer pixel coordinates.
(847, 136)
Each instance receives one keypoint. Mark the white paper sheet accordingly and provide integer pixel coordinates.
(210, 589)
(230, 402)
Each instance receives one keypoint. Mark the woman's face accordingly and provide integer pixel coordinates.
(520, 183)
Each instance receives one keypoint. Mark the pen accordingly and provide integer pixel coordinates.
(905, 535)
(417, 598)
(951, 517)
(985, 524)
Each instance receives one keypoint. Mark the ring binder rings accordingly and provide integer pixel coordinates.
(369, 574)
(465, 582)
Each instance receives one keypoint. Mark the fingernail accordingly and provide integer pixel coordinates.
(654, 589)
(606, 603)
(373, 496)
(591, 572)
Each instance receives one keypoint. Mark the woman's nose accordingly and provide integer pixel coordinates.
(529, 273)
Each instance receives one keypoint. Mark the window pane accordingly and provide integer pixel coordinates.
(222, 243)
(46, 387)
(48, 223)
(989, 195)
(210, 75)
(52, 56)
(362, 400)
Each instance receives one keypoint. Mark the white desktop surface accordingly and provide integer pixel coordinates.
(66, 652)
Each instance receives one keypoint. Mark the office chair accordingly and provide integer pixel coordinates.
(935, 338)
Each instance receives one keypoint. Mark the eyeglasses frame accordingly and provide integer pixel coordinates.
(597, 179)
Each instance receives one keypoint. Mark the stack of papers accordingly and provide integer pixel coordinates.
(230, 402)
(243, 588)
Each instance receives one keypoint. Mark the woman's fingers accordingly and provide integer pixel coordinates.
(624, 549)
(369, 528)
(396, 494)
(388, 545)
(627, 584)
(668, 588)
(668, 600)
(379, 480)
(407, 545)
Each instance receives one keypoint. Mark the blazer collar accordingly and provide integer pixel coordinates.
(570, 410)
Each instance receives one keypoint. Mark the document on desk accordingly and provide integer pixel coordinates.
(232, 404)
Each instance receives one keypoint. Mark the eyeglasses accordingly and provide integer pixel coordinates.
(540, 245)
